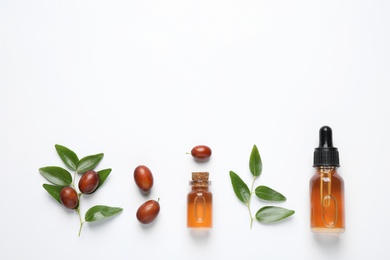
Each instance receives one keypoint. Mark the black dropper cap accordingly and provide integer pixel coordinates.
(326, 154)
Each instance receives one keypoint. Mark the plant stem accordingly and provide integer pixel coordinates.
(249, 201)
(253, 184)
(81, 221)
(78, 207)
(250, 213)
(74, 178)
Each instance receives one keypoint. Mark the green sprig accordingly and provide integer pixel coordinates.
(60, 178)
(267, 214)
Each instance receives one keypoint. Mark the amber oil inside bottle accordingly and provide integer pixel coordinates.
(199, 202)
(327, 201)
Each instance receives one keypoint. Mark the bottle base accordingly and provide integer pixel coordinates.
(327, 230)
(198, 228)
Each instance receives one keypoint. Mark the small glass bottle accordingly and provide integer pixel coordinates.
(199, 202)
(327, 188)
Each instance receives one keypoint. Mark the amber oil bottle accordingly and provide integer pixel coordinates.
(199, 202)
(327, 188)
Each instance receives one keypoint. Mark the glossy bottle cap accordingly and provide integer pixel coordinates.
(325, 154)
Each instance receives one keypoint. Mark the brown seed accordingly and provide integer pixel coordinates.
(89, 182)
(201, 152)
(148, 211)
(143, 177)
(69, 198)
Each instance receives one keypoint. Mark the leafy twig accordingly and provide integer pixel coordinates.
(61, 179)
(268, 214)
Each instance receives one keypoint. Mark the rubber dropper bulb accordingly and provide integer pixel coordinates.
(326, 137)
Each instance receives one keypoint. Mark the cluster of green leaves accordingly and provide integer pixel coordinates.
(60, 178)
(267, 214)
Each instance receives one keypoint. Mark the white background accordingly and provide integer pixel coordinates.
(143, 81)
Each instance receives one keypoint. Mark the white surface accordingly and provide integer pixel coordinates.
(145, 81)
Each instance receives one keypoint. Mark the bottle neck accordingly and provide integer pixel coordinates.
(326, 169)
(202, 188)
(196, 185)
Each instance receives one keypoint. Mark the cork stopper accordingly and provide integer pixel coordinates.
(200, 176)
(200, 179)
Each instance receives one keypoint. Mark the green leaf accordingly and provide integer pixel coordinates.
(255, 164)
(101, 212)
(67, 156)
(266, 193)
(103, 174)
(89, 162)
(53, 190)
(240, 188)
(56, 175)
(270, 214)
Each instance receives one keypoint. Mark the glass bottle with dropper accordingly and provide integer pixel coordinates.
(327, 188)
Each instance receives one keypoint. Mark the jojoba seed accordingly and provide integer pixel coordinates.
(89, 182)
(69, 198)
(143, 177)
(201, 152)
(148, 211)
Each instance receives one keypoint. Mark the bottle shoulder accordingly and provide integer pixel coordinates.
(199, 190)
(333, 174)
